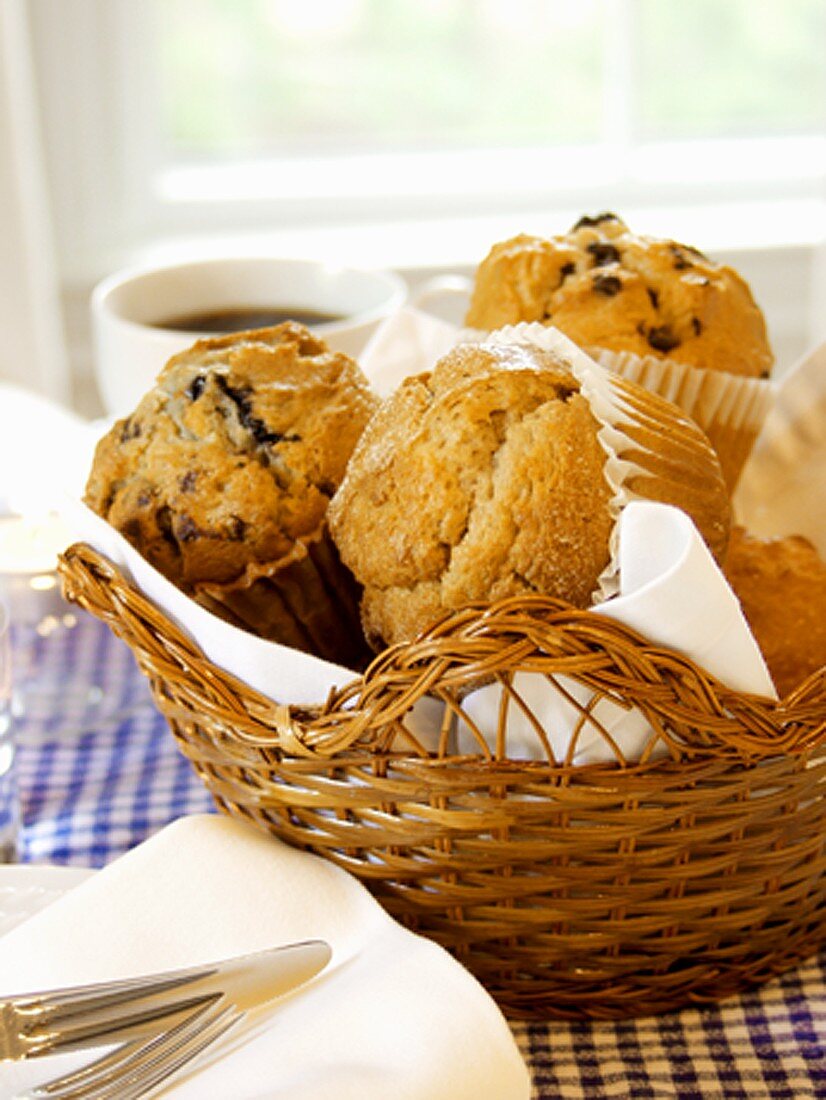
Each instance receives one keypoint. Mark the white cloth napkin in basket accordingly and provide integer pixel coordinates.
(671, 592)
(392, 1016)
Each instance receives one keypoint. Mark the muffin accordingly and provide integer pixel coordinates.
(657, 311)
(781, 585)
(500, 474)
(222, 476)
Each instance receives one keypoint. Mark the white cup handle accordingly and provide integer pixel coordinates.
(440, 288)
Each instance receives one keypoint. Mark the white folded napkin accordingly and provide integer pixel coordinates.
(32, 428)
(393, 1015)
(782, 490)
(407, 342)
(285, 675)
(673, 593)
(671, 590)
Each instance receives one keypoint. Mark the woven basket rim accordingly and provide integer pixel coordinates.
(527, 633)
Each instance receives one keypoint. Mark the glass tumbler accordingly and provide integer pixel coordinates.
(59, 689)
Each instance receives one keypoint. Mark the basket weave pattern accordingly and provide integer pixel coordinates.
(570, 891)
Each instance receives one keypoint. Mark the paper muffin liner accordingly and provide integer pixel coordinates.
(642, 438)
(783, 488)
(730, 408)
(309, 601)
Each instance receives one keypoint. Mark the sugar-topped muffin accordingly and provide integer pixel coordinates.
(222, 476)
(487, 478)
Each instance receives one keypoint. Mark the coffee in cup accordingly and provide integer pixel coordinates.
(140, 318)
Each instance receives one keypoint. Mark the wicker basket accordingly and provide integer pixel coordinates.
(575, 892)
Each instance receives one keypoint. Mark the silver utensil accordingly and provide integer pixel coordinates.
(142, 1067)
(68, 1019)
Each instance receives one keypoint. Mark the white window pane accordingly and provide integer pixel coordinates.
(750, 68)
(270, 78)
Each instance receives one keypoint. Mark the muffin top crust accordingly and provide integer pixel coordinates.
(486, 479)
(606, 287)
(234, 454)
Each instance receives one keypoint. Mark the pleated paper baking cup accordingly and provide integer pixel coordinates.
(308, 601)
(730, 408)
(783, 487)
(654, 451)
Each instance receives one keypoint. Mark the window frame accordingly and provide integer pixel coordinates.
(94, 64)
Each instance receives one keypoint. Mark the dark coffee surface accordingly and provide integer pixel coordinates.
(241, 318)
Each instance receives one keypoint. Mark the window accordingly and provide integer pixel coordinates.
(279, 78)
(181, 116)
(354, 108)
(418, 131)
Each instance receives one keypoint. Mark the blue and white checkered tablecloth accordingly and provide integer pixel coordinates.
(89, 796)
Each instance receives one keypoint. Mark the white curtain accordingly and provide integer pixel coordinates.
(32, 344)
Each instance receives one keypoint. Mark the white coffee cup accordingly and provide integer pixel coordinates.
(132, 311)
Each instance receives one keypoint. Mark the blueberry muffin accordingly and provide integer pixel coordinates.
(781, 585)
(222, 476)
(657, 311)
(487, 478)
